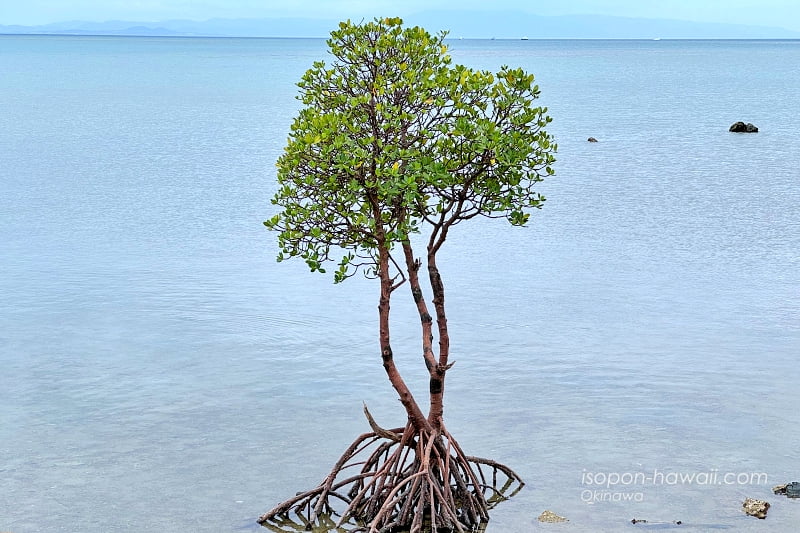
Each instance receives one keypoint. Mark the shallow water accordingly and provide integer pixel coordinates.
(162, 373)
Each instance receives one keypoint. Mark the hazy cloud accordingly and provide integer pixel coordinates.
(781, 13)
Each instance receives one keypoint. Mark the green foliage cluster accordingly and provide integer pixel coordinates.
(392, 136)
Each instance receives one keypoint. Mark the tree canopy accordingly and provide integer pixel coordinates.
(392, 135)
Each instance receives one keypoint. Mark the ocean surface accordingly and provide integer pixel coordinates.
(160, 372)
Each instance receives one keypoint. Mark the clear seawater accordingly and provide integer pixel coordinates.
(160, 372)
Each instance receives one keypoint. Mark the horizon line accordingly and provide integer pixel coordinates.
(78, 33)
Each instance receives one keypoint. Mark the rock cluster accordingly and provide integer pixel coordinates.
(790, 490)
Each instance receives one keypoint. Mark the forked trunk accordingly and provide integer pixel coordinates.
(437, 368)
(440, 369)
(415, 414)
(415, 478)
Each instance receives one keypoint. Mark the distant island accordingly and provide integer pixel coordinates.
(460, 24)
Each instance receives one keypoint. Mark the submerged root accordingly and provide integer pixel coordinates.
(399, 480)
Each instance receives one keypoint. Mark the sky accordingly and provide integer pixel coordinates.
(778, 13)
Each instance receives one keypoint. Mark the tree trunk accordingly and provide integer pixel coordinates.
(415, 478)
(426, 321)
(438, 374)
(415, 414)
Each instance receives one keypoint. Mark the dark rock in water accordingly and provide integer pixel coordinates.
(592, 140)
(790, 490)
(741, 127)
(757, 508)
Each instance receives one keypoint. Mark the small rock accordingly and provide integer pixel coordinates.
(592, 140)
(757, 508)
(551, 518)
(780, 489)
(741, 127)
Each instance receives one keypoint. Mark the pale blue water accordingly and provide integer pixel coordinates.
(159, 372)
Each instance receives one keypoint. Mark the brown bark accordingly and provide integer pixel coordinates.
(426, 321)
(448, 217)
(415, 414)
(437, 369)
(440, 369)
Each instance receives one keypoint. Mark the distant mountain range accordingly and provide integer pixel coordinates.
(466, 24)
